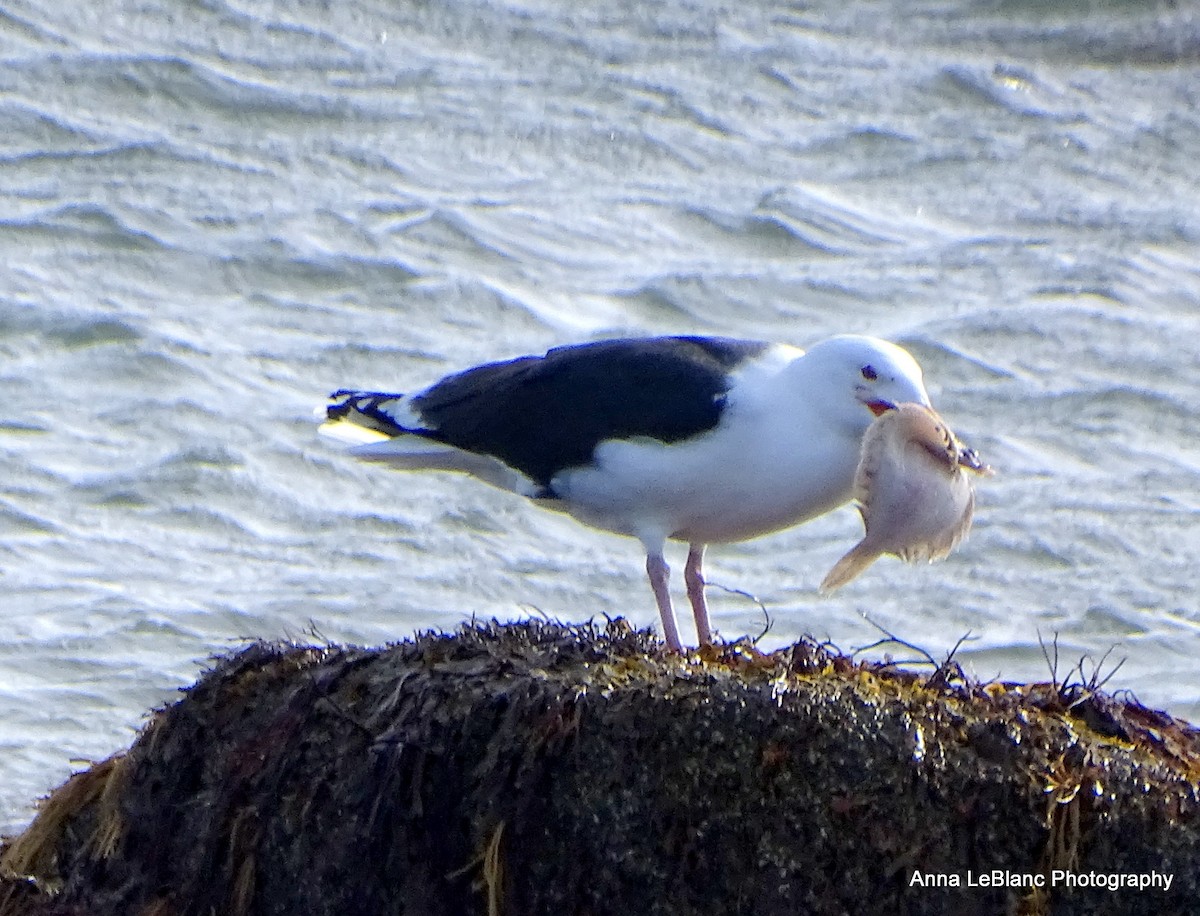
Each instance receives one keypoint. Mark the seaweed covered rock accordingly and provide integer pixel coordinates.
(533, 768)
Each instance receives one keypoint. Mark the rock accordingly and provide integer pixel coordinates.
(534, 768)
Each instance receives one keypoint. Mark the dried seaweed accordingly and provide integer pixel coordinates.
(538, 768)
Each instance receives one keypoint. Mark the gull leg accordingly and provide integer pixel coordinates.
(693, 576)
(660, 575)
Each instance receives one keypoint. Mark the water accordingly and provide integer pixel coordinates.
(215, 213)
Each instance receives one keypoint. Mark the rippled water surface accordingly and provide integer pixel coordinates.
(215, 213)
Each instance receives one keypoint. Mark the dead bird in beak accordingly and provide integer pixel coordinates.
(914, 490)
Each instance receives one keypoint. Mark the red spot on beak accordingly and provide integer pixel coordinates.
(879, 407)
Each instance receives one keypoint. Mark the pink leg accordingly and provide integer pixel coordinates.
(693, 576)
(660, 575)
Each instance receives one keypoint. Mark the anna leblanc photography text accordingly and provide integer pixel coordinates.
(1057, 878)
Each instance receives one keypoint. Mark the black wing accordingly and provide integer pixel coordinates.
(541, 414)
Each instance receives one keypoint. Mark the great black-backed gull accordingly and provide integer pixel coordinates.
(705, 440)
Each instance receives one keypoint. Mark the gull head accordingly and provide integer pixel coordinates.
(866, 377)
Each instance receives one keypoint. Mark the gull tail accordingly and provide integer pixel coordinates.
(850, 566)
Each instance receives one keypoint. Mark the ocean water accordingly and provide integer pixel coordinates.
(214, 213)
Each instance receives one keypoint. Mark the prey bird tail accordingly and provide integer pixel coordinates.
(850, 566)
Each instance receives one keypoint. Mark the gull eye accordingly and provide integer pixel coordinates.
(869, 373)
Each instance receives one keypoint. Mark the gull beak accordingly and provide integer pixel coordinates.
(878, 407)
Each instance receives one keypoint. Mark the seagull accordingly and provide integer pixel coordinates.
(705, 440)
